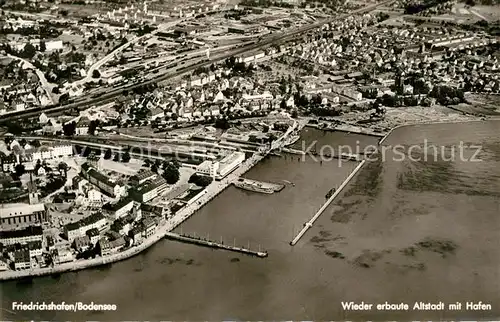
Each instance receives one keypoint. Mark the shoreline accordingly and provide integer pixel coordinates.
(381, 141)
(182, 215)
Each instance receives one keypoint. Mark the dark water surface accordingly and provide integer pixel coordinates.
(396, 235)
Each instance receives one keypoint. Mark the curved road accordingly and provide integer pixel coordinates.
(45, 84)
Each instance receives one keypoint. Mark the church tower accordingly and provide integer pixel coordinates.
(32, 191)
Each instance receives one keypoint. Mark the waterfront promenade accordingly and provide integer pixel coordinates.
(183, 214)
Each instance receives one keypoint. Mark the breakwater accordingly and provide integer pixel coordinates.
(309, 223)
(348, 129)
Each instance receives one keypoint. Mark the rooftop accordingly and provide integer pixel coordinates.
(29, 231)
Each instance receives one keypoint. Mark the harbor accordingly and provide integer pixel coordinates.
(212, 244)
(258, 186)
(205, 276)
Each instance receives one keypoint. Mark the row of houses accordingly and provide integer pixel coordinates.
(21, 236)
(30, 156)
(80, 228)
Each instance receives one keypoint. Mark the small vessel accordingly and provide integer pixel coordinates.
(252, 187)
(330, 193)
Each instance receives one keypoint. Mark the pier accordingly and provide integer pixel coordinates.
(344, 156)
(309, 223)
(212, 244)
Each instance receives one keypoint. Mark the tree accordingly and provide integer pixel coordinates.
(201, 181)
(93, 126)
(126, 157)
(96, 74)
(222, 124)
(69, 129)
(64, 168)
(20, 169)
(107, 154)
(56, 90)
(28, 51)
(171, 174)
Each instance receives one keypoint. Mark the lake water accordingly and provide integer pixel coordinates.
(402, 235)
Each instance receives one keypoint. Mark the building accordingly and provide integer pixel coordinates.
(22, 259)
(121, 208)
(82, 244)
(9, 163)
(102, 182)
(136, 234)
(64, 255)
(93, 235)
(142, 176)
(243, 29)
(35, 248)
(94, 195)
(148, 227)
(49, 152)
(220, 169)
(82, 126)
(104, 247)
(149, 190)
(50, 45)
(78, 183)
(157, 113)
(51, 245)
(22, 214)
(117, 245)
(150, 210)
(79, 228)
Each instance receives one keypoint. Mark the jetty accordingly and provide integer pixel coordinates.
(309, 223)
(212, 244)
(293, 151)
(343, 156)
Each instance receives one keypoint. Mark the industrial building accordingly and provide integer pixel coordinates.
(23, 214)
(102, 182)
(220, 169)
(149, 190)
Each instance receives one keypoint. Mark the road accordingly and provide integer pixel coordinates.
(85, 102)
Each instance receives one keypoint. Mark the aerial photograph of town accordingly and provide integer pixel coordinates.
(249, 160)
